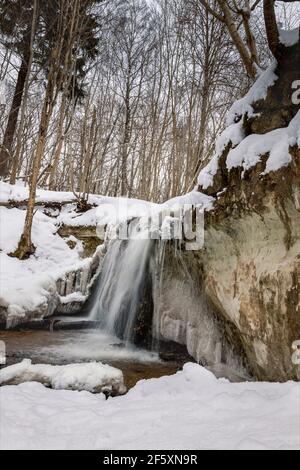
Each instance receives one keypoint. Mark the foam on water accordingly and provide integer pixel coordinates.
(94, 345)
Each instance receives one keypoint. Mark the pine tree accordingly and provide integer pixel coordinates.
(28, 27)
(75, 41)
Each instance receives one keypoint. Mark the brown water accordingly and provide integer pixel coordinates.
(67, 347)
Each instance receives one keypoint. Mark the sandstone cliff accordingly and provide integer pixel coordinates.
(243, 303)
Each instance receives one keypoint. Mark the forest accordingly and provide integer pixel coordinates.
(122, 97)
(146, 118)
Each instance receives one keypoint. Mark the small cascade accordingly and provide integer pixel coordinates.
(150, 293)
(121, 285)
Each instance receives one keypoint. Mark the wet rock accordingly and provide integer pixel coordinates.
(88, 235)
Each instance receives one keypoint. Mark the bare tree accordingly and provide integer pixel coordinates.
(69, 28)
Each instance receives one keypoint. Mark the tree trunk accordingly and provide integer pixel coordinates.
(271, 26)
(126, 140)
(7, 145)
(26, 248)
(29, 59)
(59, 145)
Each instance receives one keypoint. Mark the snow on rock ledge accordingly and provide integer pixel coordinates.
(276, 144)
(31, 289)
(264, 126)
(93, 377)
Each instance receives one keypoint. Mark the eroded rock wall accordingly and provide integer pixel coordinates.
(237, 302)
(243, 289)
(185, 314)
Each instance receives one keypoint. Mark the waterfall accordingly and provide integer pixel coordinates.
(121, 286)
(123, 303)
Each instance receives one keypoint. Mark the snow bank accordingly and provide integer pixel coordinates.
(234, 133)
(257, 92)
(104, 205)
(27, 286)
(20, 193)
(194, 198)
(276, 143)
(191, 410)
(93, 377)
(115, 211)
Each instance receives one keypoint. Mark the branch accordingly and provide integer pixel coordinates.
(245, 54)
(212, 11)
(271, 26)
(255, 5)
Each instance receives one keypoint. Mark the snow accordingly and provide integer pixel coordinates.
(75, 297)
(115, 211)
(289, 37)
(275, 143)
(190, 410)
(28, 285)
(257, 92)
(246, 152)
(194, 198)
(233, 134)
(106, 209)
(92, 377)
(20, 193)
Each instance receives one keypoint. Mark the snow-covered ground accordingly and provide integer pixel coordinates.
(191, 410)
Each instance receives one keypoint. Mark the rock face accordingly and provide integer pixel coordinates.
(237, 302)
(185, 314)
(251, 263)
(241, 306)
(88, 236)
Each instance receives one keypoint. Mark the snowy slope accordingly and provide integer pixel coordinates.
(191, 410)
(27, 285)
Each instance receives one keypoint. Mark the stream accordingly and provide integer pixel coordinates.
(117, 317)
(78, 346)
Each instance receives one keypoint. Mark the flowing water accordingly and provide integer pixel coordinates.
(118, 293)
(120, 286)
(76, 346)
(127, 267)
